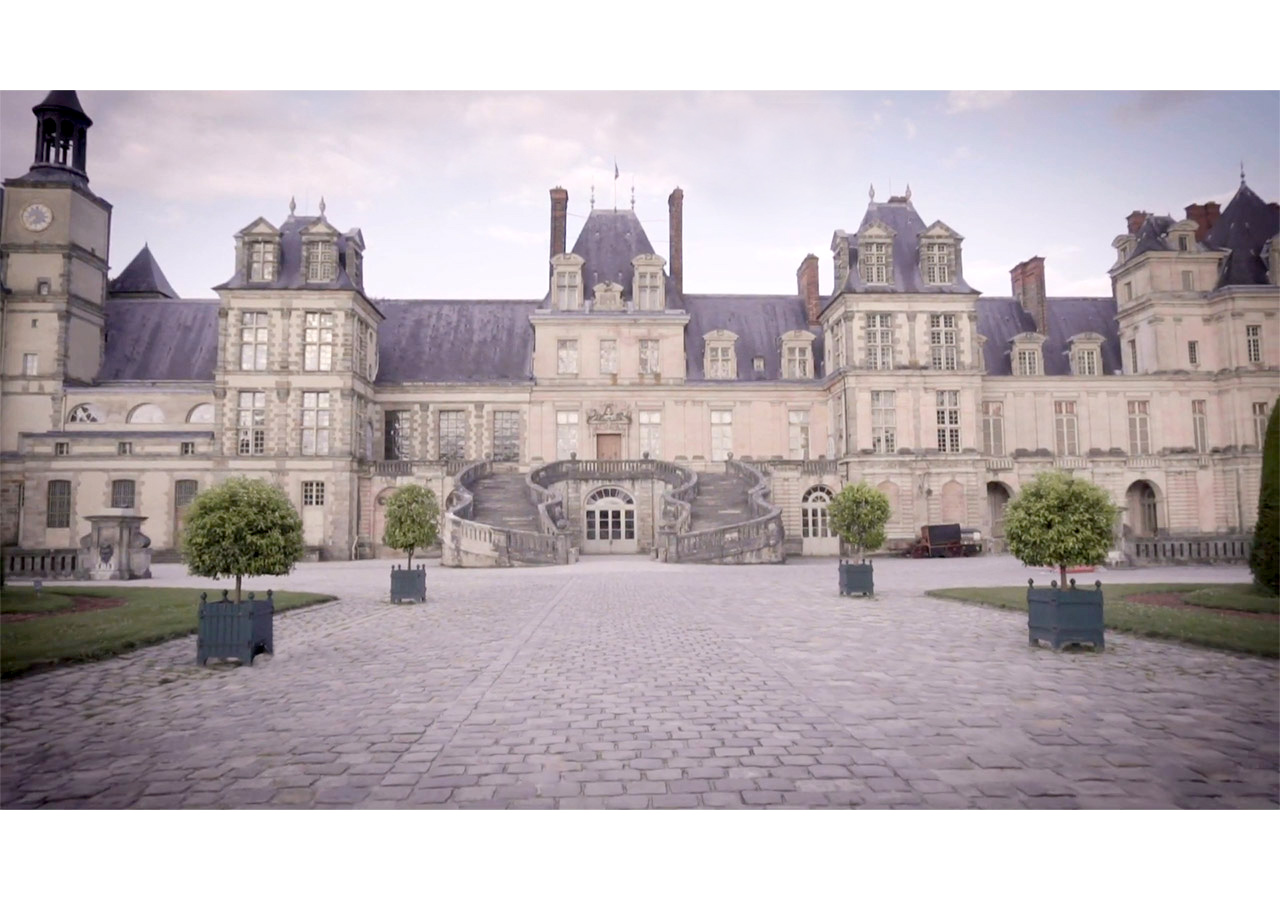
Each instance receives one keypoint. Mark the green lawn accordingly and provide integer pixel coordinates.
(148, 616)
(1192, 626)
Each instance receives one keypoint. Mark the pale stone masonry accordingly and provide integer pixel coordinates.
(903, 377)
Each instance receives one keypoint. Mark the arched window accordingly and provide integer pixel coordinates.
(814, 521)
(86, 412)
(146, 414)
(201, 413)
(610, 514)
(1144, 515)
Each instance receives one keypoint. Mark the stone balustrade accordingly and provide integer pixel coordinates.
(22, 564)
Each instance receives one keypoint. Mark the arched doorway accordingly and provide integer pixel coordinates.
(997, 499)
(1143, 509)
(610, 521)
(815, 524)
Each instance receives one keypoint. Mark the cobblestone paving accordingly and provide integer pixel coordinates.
(629, 684)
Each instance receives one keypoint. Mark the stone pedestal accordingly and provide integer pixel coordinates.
(115, 549)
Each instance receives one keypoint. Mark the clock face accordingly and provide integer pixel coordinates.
(37, 217)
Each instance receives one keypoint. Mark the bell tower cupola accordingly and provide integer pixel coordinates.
(61, 135)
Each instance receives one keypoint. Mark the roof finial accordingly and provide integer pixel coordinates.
(593, 196)
(872, 193)
(293, 205)
(322, 206)
(633, 196)
(1242, 173)
(907, 196)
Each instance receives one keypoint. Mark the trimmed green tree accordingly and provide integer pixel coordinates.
(241, 527)
(413, 518)
(1060, 521)
(1264, 559)
(858, 514)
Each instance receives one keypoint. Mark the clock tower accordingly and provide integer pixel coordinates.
(54, 242)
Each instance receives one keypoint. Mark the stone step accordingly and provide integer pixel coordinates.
(502, 499)
(721, 500)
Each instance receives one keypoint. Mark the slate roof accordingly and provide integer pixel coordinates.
(160, 340)
(451, 341)
(899, 215)
(62, 100)
(289, 272)
(142, 277)
(609, 241)
(1152, 235)
(759, 321)
(1000, 318)
(1244, 228)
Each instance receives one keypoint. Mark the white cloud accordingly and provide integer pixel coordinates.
(912, 131)
(970, 101)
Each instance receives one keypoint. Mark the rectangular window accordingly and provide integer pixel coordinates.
(720, 362)
(262, 261)
(948, 403)
(1128, 291)
(59, 505)
(839, 418)
(124, 448)
(1184, 243)
(451, 432)
(395, 425)
(321, 260)
(251, 412)
(649, 285)
(608, 357)
(1139, 428)
(1253, 342)
(122, 494)
(1086, 362)
(566, 433)
(938, 263)
(837, 342)
(1188, 281)
(798, 433)
(1259, 424)
(1133, 357)
(797, 362)
(1065, 428)
(506, 435)
(942, 341)
(1028, 362)
(184, 492)
(1200, 425)
(993, 427)
(649, 357)
(317, 342)
(721, 434)
(1193, 352)
(566, 290)
(651, 433)
(315, 423)
(880, 341)
(61, 448)
(566, 357)
(873, 260)
(884, 422)
(30, 364)
(187, 448)
(313, 493)
(357, 364)
(253, 341)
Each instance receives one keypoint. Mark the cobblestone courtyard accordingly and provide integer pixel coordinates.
(625, 683)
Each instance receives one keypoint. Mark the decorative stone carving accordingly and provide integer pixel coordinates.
(115, 549)
(606, 416)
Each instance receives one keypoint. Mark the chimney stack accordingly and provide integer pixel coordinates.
(1205, 217)
(1135, 220)
(675, 207)
(559, 219)
(807, 286)
(1028, 290)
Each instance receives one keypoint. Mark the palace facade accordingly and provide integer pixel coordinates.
(119, 394)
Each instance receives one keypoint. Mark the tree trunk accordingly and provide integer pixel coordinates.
(1062, 574)
(237, 588)
(410, 566)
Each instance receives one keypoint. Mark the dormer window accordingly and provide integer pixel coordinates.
(566, 282)
(720, 363)
(647, 292)
(262, 261)
(797, 354)
(1086, 354)
(1027, 356)
(354, 266)
(322, 261)
(875, 261)
(939, 262)
(1184, 242)
(607, 295)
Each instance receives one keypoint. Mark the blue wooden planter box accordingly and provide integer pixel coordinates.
(856, 578)
(409, 584)
(1061, 617)
(230, 630)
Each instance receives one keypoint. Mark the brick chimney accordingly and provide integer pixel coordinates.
(675, 206)
(559, 219)
(807, 287)
(1135, 220)
(1205, 216)
(1028, 290)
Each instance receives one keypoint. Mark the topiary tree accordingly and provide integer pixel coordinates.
(241, 527)
(1060, 521)
(1264, 559)
(413, 517)
(858, 514)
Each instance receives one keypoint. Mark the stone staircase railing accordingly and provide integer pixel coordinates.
(676, 511)
(1189, 549)
(466, 542)
(757, 540)
(21, 564)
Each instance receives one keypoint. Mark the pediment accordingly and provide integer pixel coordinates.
(1028, 337)
(798, 336)
(876, 230)
(720, 335)
(939, 230)
(1086, 337)
(651, 260)
(607, 295)
(355, 237)
(561, 260)
(319, 228)
(259, 227)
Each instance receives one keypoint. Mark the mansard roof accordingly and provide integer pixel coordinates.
(759, 321)
(1244, 228)
(160, 340)
(289, 272)
(900, 217)
(142, 278)
(1001, 318)
(610, 239)
(451, 341)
